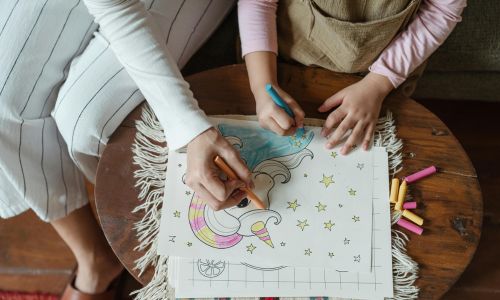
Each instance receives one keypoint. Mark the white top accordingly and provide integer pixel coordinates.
(138, 45)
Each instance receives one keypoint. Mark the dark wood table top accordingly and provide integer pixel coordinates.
(450, 201)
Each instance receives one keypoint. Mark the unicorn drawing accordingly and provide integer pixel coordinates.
(270, 158)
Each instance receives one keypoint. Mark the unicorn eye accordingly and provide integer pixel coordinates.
(243, 203)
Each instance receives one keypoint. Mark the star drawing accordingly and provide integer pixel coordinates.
(327, 180)
(329, 225)
(251, 248)
(320, 207)
(302, 224)
(293, 205)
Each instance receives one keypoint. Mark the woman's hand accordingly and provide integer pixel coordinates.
(273, 117)
(359, 108)
(203, 176)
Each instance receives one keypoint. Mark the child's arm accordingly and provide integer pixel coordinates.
(257, 21)
(359, 104)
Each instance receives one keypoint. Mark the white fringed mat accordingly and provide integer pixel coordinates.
(151, 160)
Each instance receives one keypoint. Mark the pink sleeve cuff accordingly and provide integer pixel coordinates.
(393, 77)
(257, 23)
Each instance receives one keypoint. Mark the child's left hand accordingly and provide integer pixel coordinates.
(359, 108)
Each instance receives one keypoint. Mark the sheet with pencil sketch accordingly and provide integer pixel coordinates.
(193, 278)
(319, 205)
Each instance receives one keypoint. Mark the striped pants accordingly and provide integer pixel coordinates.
(63, 93)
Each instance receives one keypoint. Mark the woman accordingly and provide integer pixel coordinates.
(46, 44)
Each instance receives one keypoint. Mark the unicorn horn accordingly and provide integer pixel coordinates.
(260, 230)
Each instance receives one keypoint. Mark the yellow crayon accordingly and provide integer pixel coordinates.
(413, 217)
(394, 190)
(401, 196)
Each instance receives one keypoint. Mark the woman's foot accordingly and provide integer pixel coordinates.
(96, 276)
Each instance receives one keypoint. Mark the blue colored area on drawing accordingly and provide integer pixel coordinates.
(258, 144)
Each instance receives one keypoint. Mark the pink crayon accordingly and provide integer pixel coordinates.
(410, 226)
(421, 174)
(410, 205)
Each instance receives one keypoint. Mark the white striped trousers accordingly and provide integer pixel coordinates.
(50, 63)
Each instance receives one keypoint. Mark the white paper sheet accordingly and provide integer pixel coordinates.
(320, 206)
(194, 278)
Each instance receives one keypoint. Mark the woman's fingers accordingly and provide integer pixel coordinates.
(216, 204)
(334, 118)
(339, 133)
(353, 139)
(332, 102)
(234, 161)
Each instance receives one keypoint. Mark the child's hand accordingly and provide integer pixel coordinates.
(359, 108)
(273, 117)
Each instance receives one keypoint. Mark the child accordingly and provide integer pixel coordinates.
(387, 39)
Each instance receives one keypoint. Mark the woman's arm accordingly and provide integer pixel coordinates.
(139, 46)
(431, 26)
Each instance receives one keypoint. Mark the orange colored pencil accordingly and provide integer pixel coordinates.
(219, 161)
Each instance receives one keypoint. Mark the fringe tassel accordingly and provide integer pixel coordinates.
(151, 158)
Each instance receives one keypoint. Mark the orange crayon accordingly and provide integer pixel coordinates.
(230, 173)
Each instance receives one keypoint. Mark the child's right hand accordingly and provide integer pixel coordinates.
(273, 117)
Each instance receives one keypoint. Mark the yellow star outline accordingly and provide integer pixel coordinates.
(302, 224)
(251, 248)
(327, 180)
(293, 205)
(333, 154)
(351, 192)
(329, 225)
(320, 207)
(177, 214)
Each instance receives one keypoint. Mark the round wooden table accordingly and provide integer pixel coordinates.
(450, 201)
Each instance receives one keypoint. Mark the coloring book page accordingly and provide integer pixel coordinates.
(194, 278)
(319, 204)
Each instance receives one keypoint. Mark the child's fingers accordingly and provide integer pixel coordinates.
(297, 110)
(274, 127)
(368, 135)
(355, 136)
(282, 118)
(332, 102)
(339, 132)
(333, 119)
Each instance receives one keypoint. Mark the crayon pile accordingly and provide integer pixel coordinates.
(398, 195)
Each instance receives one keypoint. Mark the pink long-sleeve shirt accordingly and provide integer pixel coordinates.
(431, 26)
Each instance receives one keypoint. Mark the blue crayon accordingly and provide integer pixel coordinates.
(281, 103)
